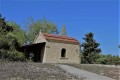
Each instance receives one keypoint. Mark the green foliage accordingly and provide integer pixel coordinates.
(83, 60)
(9, 42)
(11, 55)
(63, 31)
(108, 59)
(90, 50)
(90, 53)
(17, 32)
(34, 27)
(4, 28)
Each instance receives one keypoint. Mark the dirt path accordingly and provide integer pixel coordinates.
(84, 75)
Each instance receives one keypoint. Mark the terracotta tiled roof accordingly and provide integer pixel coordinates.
(60, 38)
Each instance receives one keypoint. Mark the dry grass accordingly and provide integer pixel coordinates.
(106, 70)
(32, 71)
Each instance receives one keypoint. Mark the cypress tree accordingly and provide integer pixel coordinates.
(90, 50)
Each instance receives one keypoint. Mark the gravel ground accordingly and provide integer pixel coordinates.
(33, 71)
(38, 71)
(111, 71)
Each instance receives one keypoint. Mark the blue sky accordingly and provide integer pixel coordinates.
(80, 17)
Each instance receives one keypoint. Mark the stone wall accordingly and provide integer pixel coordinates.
(39, 39)
(53, 53)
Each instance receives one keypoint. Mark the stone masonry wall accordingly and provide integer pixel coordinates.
(39, 39)
(53, 53)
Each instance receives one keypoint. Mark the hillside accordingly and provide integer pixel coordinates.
(32, 71)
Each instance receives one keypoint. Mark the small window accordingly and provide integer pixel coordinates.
(63, 52)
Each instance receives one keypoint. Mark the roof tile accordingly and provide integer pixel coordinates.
(60, 38)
